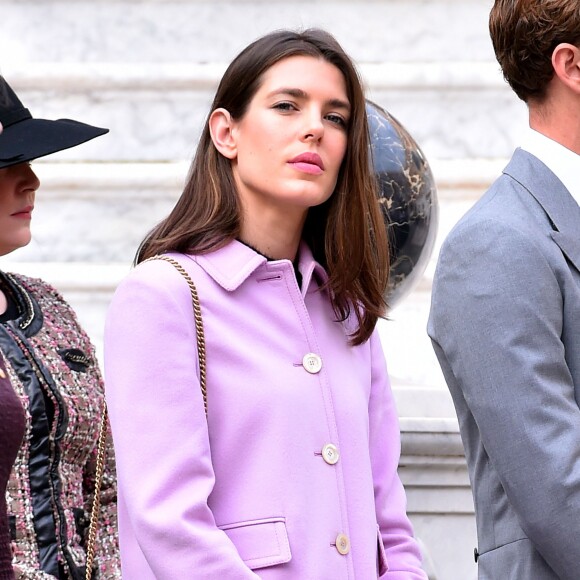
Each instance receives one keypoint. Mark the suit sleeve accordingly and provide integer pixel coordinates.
(496, 323)
(401, 550)
(160, 433)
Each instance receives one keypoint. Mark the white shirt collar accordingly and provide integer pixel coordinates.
(564, 163)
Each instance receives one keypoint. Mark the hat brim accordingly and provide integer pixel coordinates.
(34, 138)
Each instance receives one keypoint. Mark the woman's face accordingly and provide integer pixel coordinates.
(18, 185)
(290, 143)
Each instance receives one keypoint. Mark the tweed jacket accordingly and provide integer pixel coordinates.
(51, 364)
(294, 473)
(505, 323)
(11, 433)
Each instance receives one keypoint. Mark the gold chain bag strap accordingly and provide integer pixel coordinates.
(101, 446)
(92, 539)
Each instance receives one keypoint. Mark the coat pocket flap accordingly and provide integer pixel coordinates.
(260, 543)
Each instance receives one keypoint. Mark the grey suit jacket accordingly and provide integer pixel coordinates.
(505, 325)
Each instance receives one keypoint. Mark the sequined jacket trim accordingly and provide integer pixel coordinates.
(53, 369)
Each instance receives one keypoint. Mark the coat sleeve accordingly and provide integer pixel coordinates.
(496, 323)
(402, 554)
(160, 433)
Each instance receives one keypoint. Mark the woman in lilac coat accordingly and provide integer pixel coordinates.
(293, 475)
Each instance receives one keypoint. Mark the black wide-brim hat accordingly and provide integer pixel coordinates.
(24, 138)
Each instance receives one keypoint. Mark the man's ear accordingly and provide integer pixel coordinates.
(221, 127)
(566, 63)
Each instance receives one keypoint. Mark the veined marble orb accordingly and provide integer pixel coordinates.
(408, 199)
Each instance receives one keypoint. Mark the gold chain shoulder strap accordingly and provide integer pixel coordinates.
(92, 539)
(198, 323)
(101, 446)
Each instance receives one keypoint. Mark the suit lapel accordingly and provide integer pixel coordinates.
(555, 199)
(570, 246)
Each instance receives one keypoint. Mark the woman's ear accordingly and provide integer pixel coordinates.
(221, 131)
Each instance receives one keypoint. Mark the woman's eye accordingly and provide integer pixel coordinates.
(337, 120)
(284, 106)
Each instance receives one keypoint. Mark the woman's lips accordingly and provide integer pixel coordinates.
(24, 213)
(306, 167)
(308, 163)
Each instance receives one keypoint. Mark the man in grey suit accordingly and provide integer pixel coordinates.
(505, 315)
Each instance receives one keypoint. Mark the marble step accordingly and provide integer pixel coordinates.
(453, 109)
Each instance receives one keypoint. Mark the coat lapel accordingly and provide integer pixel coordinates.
(555, 199)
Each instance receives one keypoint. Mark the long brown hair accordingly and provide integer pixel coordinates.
(346, 234)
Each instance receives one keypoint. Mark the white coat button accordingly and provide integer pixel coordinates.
(312, 363)
(342, 544)
(330, 454)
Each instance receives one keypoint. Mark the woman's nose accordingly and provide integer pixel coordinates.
(313, 127)
(28, 178)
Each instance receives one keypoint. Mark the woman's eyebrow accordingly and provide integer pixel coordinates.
(300, 94)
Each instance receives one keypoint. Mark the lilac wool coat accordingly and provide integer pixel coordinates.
(294, 473)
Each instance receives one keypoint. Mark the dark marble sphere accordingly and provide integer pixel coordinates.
(408, 199)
